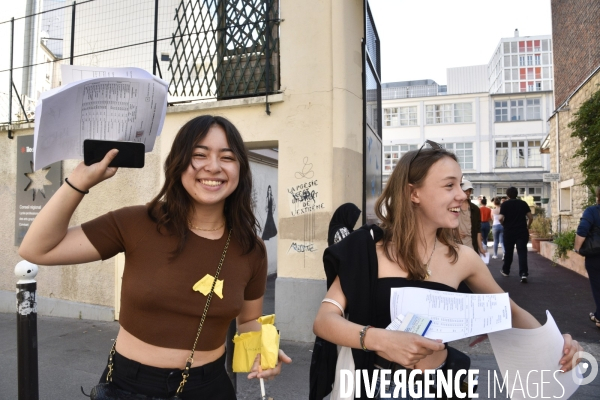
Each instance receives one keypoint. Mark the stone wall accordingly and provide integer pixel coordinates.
(562, 160)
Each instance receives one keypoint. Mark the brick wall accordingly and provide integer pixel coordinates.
(576, 44)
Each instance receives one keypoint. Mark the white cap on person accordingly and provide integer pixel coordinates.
(466, 185)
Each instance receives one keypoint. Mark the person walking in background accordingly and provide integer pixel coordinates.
(342, 223)
(590, 220)
(515, 216)
(470, 220)
(486, 218)
(497, 228)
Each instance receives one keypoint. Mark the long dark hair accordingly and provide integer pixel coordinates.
(396, 211)
(171, 208)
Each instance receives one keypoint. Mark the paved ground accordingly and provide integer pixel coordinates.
(72, 353)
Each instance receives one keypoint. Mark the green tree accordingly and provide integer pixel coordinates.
(586, 127)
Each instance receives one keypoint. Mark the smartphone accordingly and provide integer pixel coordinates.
(131, 154)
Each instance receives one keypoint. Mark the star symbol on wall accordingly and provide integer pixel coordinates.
(37, 180)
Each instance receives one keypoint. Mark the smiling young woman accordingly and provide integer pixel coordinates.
(202, 213)
(414, 246)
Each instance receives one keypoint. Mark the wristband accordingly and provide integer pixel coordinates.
(74, 188)
(362, 335)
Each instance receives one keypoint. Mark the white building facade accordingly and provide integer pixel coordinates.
(493, 124)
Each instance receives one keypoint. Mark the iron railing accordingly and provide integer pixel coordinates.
(205, 49)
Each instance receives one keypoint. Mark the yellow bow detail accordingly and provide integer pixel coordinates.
(203, 285)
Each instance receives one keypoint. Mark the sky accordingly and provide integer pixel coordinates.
(421, 38)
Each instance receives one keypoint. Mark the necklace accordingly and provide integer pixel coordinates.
(428, 261)
(205, 230)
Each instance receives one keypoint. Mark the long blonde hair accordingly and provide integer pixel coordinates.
(396, 211)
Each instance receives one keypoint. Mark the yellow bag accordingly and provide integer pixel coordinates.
(249, 344)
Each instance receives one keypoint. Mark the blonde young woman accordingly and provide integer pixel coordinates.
(413, 246)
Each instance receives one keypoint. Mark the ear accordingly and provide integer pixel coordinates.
(414, 194)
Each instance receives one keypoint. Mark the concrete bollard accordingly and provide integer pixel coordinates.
(27, 344)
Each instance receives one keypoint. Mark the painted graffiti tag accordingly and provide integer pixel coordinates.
(302, 248)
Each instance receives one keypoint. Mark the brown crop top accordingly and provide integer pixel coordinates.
(158, 305)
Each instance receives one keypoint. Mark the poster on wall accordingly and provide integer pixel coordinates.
(372, 175)
(33, 188)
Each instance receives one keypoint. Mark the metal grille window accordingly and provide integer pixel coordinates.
(464, 152)
(225, 48)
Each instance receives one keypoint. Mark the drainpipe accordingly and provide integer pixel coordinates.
(558, 170)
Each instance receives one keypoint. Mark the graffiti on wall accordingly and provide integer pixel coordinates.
(304, 198)
(302, 247)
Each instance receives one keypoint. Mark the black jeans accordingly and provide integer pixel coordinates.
(520, 240)
(592, 266)
(209, 381)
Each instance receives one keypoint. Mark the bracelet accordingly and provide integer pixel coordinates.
(362, 335)
(74, 188)
(335, 303)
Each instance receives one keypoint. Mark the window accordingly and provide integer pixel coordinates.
(536, 192)
(400, 116)
(390, 116)
(534, 157)
(408, 116)
(564, 200)
(501, 191)
(521, 60)
(517, 111)
(529, 59)
(501, 110)
(518, 154)
(463, 112)
(449, 113)
(392, 153)
(439, 114)
(537, 60)
(464, 152)
(502, 155)
(533, 109)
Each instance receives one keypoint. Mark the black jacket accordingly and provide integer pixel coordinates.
(359, 285)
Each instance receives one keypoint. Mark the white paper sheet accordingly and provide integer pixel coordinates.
(74, 73)
(528, 350)
(109, 108)
(485, 257)
(454, 315)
